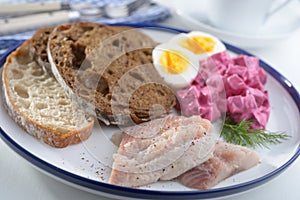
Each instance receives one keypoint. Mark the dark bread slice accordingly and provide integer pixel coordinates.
(109, 70)
(39, 42)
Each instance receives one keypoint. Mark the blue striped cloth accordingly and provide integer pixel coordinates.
(154, 13)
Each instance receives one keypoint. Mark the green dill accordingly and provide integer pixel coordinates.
(242, 134)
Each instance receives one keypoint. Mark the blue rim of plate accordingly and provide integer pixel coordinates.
(115, 190)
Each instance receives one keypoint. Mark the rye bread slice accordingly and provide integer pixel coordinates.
(39, 42)
(38, 104)
(109, 70)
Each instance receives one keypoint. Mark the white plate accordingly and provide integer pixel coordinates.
(193, 14)
(86, 165)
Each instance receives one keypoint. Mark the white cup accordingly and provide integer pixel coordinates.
(242, 16)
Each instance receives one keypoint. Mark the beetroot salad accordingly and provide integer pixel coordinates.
(225, 85)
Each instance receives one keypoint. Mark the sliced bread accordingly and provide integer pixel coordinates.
(109, 70)
(39, 42)
(38, 104)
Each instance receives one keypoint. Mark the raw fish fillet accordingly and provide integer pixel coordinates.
(228, 160)
(161, 150)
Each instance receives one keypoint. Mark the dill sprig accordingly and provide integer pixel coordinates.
(242, 134)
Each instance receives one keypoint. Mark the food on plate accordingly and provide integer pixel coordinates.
(39, 42)
(124, 77)
(177, 67)
(161, 150)
(109, 70)
(235, 87)
(228, 160)
(177, 147)
(243, 134)
(38, 104)
(243, 81)
(201, 43)
(177, 60)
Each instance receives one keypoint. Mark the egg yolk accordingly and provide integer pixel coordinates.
(173, 62)
(198, 44)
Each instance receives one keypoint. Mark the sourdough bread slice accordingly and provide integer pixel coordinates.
(109, 70)
(38, 104)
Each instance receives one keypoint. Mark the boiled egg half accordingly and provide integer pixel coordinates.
(177, 60)
(200, 43)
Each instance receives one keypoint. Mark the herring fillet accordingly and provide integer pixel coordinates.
(228, 159)
(179, 145)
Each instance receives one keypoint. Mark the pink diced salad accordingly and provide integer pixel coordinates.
(234, 86)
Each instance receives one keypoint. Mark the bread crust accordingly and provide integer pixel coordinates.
(49, 135)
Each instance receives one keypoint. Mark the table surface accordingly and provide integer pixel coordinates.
(19, 180)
